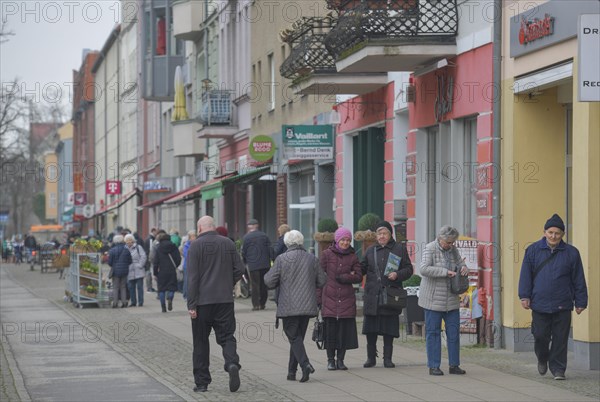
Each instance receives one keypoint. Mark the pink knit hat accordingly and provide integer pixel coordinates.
(341, 232)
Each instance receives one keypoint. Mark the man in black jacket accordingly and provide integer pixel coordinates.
(257, 254)
(213, 267)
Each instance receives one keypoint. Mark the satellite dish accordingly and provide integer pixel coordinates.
(88, 210)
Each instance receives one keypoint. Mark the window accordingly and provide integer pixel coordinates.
(271, 83)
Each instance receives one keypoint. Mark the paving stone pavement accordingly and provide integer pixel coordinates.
(157, 348)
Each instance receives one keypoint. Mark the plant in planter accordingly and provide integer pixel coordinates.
(325, 233)
(366, 229)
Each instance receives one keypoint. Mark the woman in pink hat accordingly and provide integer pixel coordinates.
(337, 298)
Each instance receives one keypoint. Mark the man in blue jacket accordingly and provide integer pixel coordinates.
(552, 282)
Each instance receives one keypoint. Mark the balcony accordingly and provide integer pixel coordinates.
(188, 15)
(185, 139)
(312, 67)
(394, 35)
(216, 115)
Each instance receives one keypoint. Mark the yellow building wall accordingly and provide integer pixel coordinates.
(586, 209)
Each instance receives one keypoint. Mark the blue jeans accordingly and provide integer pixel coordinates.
(161, 296)
(433, 339)
(136, 285)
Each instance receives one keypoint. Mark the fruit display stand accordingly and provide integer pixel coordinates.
(86, 279)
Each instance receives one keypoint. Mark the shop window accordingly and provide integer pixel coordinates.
(302, 205)
(449, 177)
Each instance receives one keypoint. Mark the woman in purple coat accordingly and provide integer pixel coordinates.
(338, 300)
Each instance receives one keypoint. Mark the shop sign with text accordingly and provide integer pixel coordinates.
(307, 142)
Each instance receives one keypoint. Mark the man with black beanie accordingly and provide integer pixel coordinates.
(552, 282)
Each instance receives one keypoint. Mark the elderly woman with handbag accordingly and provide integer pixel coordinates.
(338, 300)
(442, 270)
(165, 262)
(386, 265)
(298, 275)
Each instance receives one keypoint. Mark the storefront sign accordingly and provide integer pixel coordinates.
(589, 58)
(113, 187)
(261, 148)
(536, 29)
(308, 142)
(536, 26)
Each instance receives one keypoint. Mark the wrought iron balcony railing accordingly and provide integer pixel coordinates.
(379, 21)
(308, 54)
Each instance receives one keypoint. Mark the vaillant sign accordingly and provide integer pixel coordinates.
(307, 142)
(588, 77)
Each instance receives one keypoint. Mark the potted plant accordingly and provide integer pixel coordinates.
(325, 233)
(366, 230)
(413, 312)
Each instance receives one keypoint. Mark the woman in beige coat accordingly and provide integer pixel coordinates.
(440, 257)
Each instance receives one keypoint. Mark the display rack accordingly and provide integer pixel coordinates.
(86, 279)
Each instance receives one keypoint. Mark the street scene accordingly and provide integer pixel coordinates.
(411, 183)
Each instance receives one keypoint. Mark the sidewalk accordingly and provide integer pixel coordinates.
(152, 351)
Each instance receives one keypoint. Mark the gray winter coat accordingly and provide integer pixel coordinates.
(137, 269)
(434, 293)
(298, 275)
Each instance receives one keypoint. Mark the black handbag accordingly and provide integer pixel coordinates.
(459, 284)
(318, 335)
(392, 298)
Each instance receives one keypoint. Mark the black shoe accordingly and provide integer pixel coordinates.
(170, 305)
(234, 377)
(341, 365)
(559, 375)
(542, 368)
(201, 388)
(133, 305)
(254, 308)
(435, 371)
(387, 363)
(456, 370)
(369, 363)
(331, 364)
(291, 377)
(306, 372)
(164, 308)
(262, 306)
(124, 305)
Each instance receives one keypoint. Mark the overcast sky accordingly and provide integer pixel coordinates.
(48, 41)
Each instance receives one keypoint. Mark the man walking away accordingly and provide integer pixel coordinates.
(213, 267)
(256, 252)
(552, 282)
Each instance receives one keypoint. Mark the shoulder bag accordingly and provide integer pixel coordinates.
(389, 297)
(459, 284)
(318, 335)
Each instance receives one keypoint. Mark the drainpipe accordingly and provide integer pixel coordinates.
(496, 137)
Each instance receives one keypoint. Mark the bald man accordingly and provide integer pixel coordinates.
(213, 267)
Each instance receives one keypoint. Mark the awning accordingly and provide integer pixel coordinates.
(214, 188)
(116, 203)
(159, 201)
(545, 78)
(186, 195)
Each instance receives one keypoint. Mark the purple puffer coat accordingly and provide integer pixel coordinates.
(337, 298)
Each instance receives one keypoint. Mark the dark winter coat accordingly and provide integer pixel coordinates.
(337, 298)
(213, 268)
(373, 272)
(164, 269)
(559, 285)
(256, 250)
(298, 275)
(279, 248)
(119, 258)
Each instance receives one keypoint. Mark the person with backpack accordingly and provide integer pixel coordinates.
(137, 271)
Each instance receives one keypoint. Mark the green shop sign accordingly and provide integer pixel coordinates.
(308, 142)
(261, 148)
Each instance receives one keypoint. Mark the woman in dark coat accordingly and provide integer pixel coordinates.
(119, 259)
(338, 300)
(166, 260)
(380, 321)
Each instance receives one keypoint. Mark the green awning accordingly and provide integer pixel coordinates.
(212, 191)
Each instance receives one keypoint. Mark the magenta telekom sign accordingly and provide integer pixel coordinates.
(113, 187)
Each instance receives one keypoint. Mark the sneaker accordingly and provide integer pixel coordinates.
(456, 370)
(559, 375)
(542, 368)
(435, 371)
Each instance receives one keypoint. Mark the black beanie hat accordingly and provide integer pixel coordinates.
(555, 222)
(384, 224)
